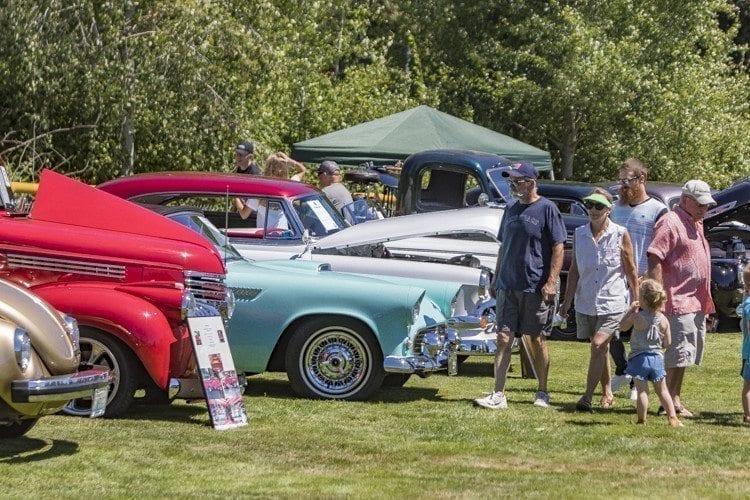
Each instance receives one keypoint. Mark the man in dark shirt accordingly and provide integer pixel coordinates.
(243, 158)
(532, 234)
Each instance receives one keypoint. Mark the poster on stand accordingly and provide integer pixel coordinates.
(220, 382)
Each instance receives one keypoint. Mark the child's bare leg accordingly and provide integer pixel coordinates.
(662, 391)
(642, 406)
(746, 401)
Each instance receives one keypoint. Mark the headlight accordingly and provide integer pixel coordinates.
(415, 311)
(188, 306)
(71, 326)
(454, 301)
(22, 348)
(484, 282)
(230, 303)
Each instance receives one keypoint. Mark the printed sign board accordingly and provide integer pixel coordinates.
(220, 382)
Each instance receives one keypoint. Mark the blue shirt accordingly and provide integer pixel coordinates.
(744, 311)
(528, 233)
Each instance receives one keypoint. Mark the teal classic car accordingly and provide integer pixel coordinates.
(336, 335)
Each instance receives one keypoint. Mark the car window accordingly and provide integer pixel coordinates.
(444, 188)
(568, 206)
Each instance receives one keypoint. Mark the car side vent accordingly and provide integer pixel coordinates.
(324, 267)
(20, 261)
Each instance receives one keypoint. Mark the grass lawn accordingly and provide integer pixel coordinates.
(424, 440)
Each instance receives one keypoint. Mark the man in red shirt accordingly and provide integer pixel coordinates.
(679, 257)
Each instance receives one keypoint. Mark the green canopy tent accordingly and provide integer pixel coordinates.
(396, 136)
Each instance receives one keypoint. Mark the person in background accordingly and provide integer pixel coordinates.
(243, 158)
(637, 212)
(278, 165)
(744, 313)
(600, 273)
(679, 257)
(650, 335)
(329, 175)
(532, 232)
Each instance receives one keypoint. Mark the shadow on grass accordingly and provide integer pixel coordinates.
(34, 450)
(733, 419)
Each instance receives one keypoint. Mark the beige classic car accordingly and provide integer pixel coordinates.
(40, 360)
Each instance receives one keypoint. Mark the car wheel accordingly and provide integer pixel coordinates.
(396, 379)
(17, 428)
(99, 348)
(334, 359)
(567, 333)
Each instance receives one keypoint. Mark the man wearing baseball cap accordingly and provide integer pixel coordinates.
(329, 175)
(243, 158)
(679, 257)
(532, 233)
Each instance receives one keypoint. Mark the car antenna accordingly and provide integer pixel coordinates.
(226, 225)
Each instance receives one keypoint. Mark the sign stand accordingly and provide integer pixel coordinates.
(221, 385)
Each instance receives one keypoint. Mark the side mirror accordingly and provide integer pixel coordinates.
(483, 199)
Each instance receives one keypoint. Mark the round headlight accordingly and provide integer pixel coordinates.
(22, 348)
(188, 306)
(231, 303)
(71, 326)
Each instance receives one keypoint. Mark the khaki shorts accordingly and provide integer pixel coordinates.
(688, 340)
(522, 312)
(588, 326)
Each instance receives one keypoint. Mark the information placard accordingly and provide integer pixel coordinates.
(220, 382)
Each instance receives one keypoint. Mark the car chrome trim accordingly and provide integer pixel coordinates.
(18, 261)
(61, 387)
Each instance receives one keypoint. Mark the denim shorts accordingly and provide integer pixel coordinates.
(745, 371)
(646, 366)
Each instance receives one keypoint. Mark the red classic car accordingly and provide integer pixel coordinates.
(129, 276)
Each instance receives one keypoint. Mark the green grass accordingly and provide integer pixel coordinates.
(422, 441)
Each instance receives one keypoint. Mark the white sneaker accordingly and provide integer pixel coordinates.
(541, 399)
(620, 380)
(634, 394)
(494, 401)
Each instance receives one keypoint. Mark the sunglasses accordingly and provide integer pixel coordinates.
(628, 180)
(516, 182)
(598, 206)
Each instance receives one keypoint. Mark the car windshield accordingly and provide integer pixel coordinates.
(203, 226)
(500, 182)
(318, 215)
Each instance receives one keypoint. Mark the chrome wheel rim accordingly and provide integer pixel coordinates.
(93, 353)
(335, 361)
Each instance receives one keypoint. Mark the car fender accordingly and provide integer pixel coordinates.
(43, 325)
(140, 325)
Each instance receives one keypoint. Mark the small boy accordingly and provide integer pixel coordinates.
(744, 312)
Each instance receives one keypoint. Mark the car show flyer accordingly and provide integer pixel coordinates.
(220, 382)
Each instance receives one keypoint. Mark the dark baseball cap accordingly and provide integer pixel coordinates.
(522, 169)
(329, 167)
(245, 147)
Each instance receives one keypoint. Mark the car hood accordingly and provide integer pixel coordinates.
(732, 203)
(484, 220)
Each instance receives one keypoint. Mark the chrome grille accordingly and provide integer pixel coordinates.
(419, 343)
(101, 269)
(208, 288)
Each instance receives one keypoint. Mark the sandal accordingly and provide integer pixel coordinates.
(607, 402)
(683, 412)
(584, 404)
(675, 422)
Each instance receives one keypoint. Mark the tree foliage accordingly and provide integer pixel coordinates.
(99, 89)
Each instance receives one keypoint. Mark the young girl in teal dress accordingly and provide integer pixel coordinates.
(744, 313)
(650, 335)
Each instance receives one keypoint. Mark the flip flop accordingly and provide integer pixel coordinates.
(607, 402)
(683, 412)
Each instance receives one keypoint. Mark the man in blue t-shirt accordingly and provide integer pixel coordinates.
(532, 234)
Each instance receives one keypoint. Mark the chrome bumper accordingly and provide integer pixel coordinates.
(477, 336)
(436, 353)
(60, 387)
